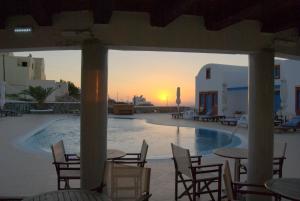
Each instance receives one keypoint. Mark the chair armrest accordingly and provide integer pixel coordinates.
(212, 168)
(279, 158)
(69, 168)
(219, 165)
(66, 163)
(241, 184)
(144, 197)
(129, 162)
(126, 159)
(196, 159)
(133, 154)
(130, 156)
(200, 156)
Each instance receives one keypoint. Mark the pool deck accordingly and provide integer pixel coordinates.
(25, 172)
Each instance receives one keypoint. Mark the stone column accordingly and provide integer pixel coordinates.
(261, 93)
(93, 127)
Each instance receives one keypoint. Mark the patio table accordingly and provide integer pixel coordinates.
(69, 195)
(113, 154)
(288, 188)
(235, 153)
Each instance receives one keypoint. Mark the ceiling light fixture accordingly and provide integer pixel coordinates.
(23, 29)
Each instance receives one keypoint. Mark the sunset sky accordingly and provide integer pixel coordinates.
(156, 75)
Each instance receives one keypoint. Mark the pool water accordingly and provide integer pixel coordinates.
(127, 135)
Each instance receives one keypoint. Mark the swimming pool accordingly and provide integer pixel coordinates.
(127, 135)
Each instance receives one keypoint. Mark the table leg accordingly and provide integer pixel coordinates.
(237, 163)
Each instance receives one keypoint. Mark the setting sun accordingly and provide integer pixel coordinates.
(163, 97)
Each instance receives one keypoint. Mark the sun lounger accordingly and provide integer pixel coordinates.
(292, 124)
(206, 117)
(188, 114)
(243, 121)
(177, 115)
(229, 121)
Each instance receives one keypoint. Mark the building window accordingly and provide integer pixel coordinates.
(24, 64)
(208, 73)
(277, 71)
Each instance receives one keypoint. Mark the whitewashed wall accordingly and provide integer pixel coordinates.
(236, 76)
(290, 71)
(233, 76)
(237, 101)
(213, 84)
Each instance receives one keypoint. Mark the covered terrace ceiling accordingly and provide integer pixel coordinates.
(227, 24)
(274, 15)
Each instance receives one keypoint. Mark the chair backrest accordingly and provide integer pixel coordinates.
(124, 182)
(228, 181)
(144, 151)
(58, 152)
(182, 160)
(284, 149)
(280, 151)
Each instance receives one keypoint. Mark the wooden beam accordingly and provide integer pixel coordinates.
(165, 11)
(40, 11)
(222, 15)
(286, 16)
(281, 24)
(3, 14)
(102, 10)
(2, 22)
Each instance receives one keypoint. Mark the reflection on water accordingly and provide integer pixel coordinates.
(127, 135)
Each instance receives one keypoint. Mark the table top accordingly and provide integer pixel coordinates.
(232, 152)
(114, 153)
(69, 195)
(286, 187)
(238, 153)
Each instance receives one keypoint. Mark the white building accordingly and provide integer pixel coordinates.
(223, 89)
(21, 72)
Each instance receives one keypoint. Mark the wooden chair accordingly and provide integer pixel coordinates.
(66, 165)
(277, 163)
(124, 182)
(235, 190)
(190, 172)
(135, 158)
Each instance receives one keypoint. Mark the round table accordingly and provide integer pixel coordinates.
(288, 188)
(69, 195)
(235, 153)
(114, 154)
